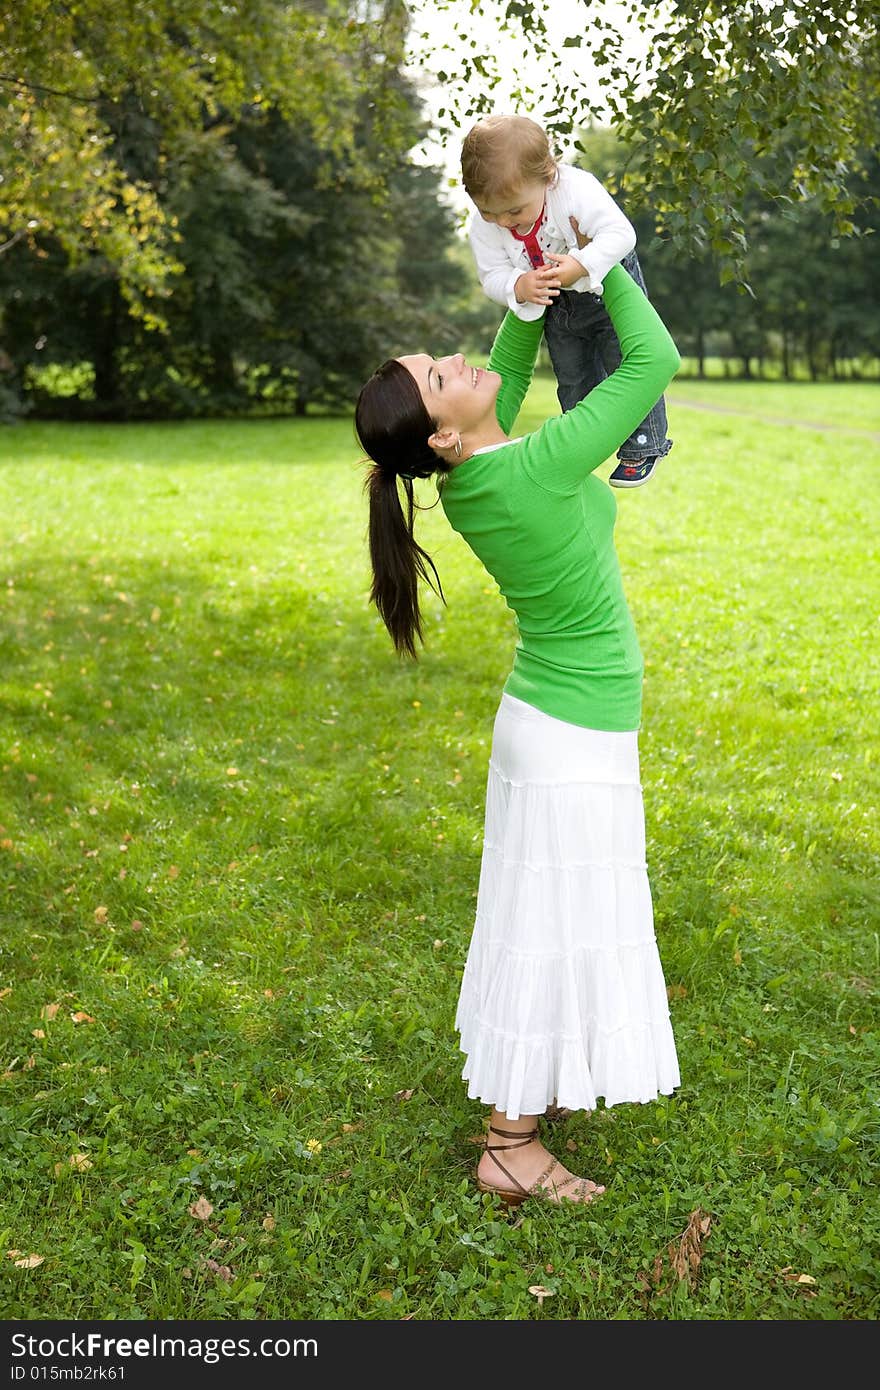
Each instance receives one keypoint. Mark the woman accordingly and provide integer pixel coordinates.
(563, 998)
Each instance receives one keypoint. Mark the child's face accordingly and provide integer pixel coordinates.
(518, 210)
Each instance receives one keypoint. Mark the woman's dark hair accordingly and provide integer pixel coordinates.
(393, 427)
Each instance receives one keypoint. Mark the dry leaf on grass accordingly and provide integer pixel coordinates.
(81, 1017)
(49, 1010)
(80, 1163)
(684, 1254)
(200, 1209)
(29, 1261)
(222, 1271)
(404, 1095)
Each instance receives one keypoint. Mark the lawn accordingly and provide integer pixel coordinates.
(239, 848)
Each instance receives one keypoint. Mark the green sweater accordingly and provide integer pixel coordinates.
(543, 525)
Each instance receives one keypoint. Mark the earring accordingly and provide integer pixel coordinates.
(458, 447)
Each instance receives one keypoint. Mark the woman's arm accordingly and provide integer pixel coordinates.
(513, 356)
(567, 447)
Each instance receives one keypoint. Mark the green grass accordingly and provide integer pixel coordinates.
(240, 841)
(841, 406)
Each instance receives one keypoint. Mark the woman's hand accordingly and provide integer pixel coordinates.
(582, 240)
(539, 286)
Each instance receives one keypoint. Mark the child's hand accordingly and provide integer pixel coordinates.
(567, 268)
(539, 286)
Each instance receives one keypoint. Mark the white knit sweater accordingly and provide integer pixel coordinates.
(501, 259)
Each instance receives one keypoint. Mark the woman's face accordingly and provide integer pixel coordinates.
(457, 396)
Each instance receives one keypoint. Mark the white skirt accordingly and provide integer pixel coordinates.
(563, 998)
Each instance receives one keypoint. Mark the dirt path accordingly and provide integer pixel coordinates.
(775, 419)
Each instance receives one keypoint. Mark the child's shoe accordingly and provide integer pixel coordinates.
(634, 472)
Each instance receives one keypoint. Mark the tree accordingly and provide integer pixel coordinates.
(295, 279)
(777, 98)
(816, 296)
(75, 76)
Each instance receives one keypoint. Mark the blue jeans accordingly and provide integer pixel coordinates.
(584, 350)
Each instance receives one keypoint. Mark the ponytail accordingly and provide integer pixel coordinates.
(393, 427)
(398, 560)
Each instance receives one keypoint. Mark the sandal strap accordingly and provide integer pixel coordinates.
(493, 1149)
(512, 1134)
(538, 1184)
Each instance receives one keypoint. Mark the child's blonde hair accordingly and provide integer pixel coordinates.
(501, 153)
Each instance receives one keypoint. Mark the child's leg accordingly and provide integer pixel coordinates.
(570, 327)
(649, 441)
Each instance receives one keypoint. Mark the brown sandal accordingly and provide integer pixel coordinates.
(518, 1194)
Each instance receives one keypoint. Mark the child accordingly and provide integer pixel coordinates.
(524, 237)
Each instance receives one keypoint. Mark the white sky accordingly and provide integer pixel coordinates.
(515, 57)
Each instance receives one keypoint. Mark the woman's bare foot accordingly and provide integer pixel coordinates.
(516, 1164)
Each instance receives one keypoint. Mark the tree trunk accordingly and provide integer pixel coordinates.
(106, 348)
(222, 377)
(701, 353)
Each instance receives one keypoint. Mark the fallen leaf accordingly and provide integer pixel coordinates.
(201, 1209)
(342, 1176)
(173, 871)
(805, 1279)
(37, 1033)
(222, 1271)
(268, 1223)
(676, 992)
(80, 1163)
(686, 1254)
(385, 1294)
(49, 1010)
(81, 1017)
(29, 1262)
(5, 992)
(403, 1095)
(350, 1129)
(101, 914)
